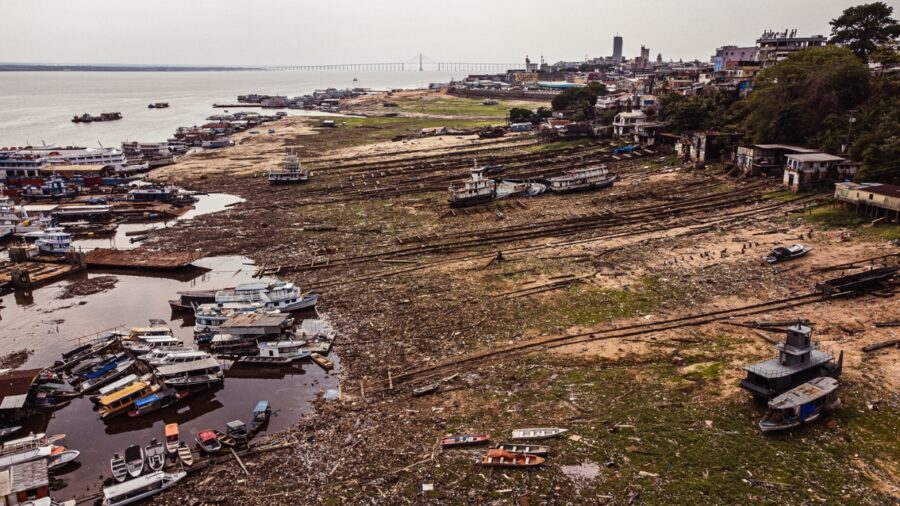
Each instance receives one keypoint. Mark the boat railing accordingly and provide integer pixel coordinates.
(101, 335)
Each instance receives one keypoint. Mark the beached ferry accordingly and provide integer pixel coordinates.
(591, 178)
(271, 295)
(475, 190)
(291, 171)
(121, 400)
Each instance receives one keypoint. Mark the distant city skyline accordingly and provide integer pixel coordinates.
(275, 32)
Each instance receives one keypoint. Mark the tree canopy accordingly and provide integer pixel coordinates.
(580, 100)
(807, 98)
(864, 28)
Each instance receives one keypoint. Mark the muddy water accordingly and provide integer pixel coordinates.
(206, 204)
(39, 321)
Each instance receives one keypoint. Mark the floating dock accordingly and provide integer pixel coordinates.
(32, 274)
(141, 259)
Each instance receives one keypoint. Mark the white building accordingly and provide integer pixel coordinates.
(805, 168)
(625, 123)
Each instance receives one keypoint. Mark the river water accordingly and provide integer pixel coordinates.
(38, 106)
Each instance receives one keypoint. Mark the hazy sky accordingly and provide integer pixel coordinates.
(219, 32)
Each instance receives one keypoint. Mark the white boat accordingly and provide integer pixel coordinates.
(156, 455)
(272, 295)
(8, 218)
(148, 344)
(28, 442)
(475, 190)
(178, 357)
(163, 351)
(277, 352)
(291, 172)
(51, 241)
(188, 374)
(35, 453)
(134, 460)
(209, 317)
(591, 178)
(538, 433)
(118, 468)
(140, 488)
(60, 459)
(47, 501)
(800, 405)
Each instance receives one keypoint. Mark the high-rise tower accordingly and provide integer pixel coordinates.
(617, 48)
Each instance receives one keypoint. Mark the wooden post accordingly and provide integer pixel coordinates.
(340, 394)
(390, 381)
(362, 390)
(239, 462)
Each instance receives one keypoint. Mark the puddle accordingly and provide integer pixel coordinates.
(581, 473)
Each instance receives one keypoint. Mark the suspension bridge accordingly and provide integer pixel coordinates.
(418, 63)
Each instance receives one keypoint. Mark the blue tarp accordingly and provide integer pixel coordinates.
(146, 401)
(100, 372)
(261, 407)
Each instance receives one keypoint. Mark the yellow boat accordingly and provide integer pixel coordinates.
(118, 402)
(323, 362)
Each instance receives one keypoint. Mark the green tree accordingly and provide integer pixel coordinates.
(865, 27)
(699, 112)
(520, 115)
(795, 100)
(876, 134)
(580, 100)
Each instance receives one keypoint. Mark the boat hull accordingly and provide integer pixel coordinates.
(607, 183)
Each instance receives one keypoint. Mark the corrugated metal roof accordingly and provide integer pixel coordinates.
(14, 386)
(816, 157)
(196, 365)
(255, 320)
(798, 149)
(28, 476)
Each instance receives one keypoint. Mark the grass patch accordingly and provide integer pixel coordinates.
(780, 196)
(834, 217)
(558, 145)
(453, 106)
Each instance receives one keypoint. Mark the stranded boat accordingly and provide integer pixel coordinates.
(156, 401)
(177, 357)
(290, 171)
(782, 253)
(140, 488)
(156, 455)
(502, 458)
(158, 105)
(539, 433)
(860, 281)
(189, 299)
(185, 455)
(119, 401)
(118, 468)
(104, 116)
(261, 414)
(134, 460)
(476, 190)
(173, 438)
(277, 352)
(800, 405)
(520, 448)
(322, 361)
(279, 295)
(208, 441)
(203, 372)
(591, 178)
(465, 440)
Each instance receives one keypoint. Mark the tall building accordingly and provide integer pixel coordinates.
(645, 53)
(658, 57)
(773, 47)
(617, 48)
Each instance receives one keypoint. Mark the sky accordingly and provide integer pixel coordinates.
(282, 32)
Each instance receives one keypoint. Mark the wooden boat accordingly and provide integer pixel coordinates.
(783, 253)
(859, 281)
(156, 401)
(173, 438)
(118, 468)
(237, 430)
(5, 432)
(800, 405)
(25, 455)
(73, 357)
(118, 402)
(192, 382)
(261, 414)
(465, 440)
(425, 390)
(140, 488)
(539, 433)
(208, 441)
(156, 455)
(134, 460)
(95, 368)
(323, 362)
(502, 458)
(60, 457)
(108, 377)
(225, 439)
(30, 441)
(529, 449)
(187, 300)
(119, 384)
(185, 455)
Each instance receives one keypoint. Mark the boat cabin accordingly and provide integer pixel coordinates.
(24, 482)
(799, 360)
(119, 401)
(804, 403)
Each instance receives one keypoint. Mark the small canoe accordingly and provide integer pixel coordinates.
(58, 459)
(465, 440)
(425, 390)
(502, 458)
(529, 449)
(118, 468)
(237, 430)
(208, 441)
(323, 362)
(538, 433)
(134, 460)
(156, 455)
(186, 455)
(225, 439)
(173, 438)
(261, 414)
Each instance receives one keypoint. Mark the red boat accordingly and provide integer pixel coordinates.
(502, 458)
(465, 440)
